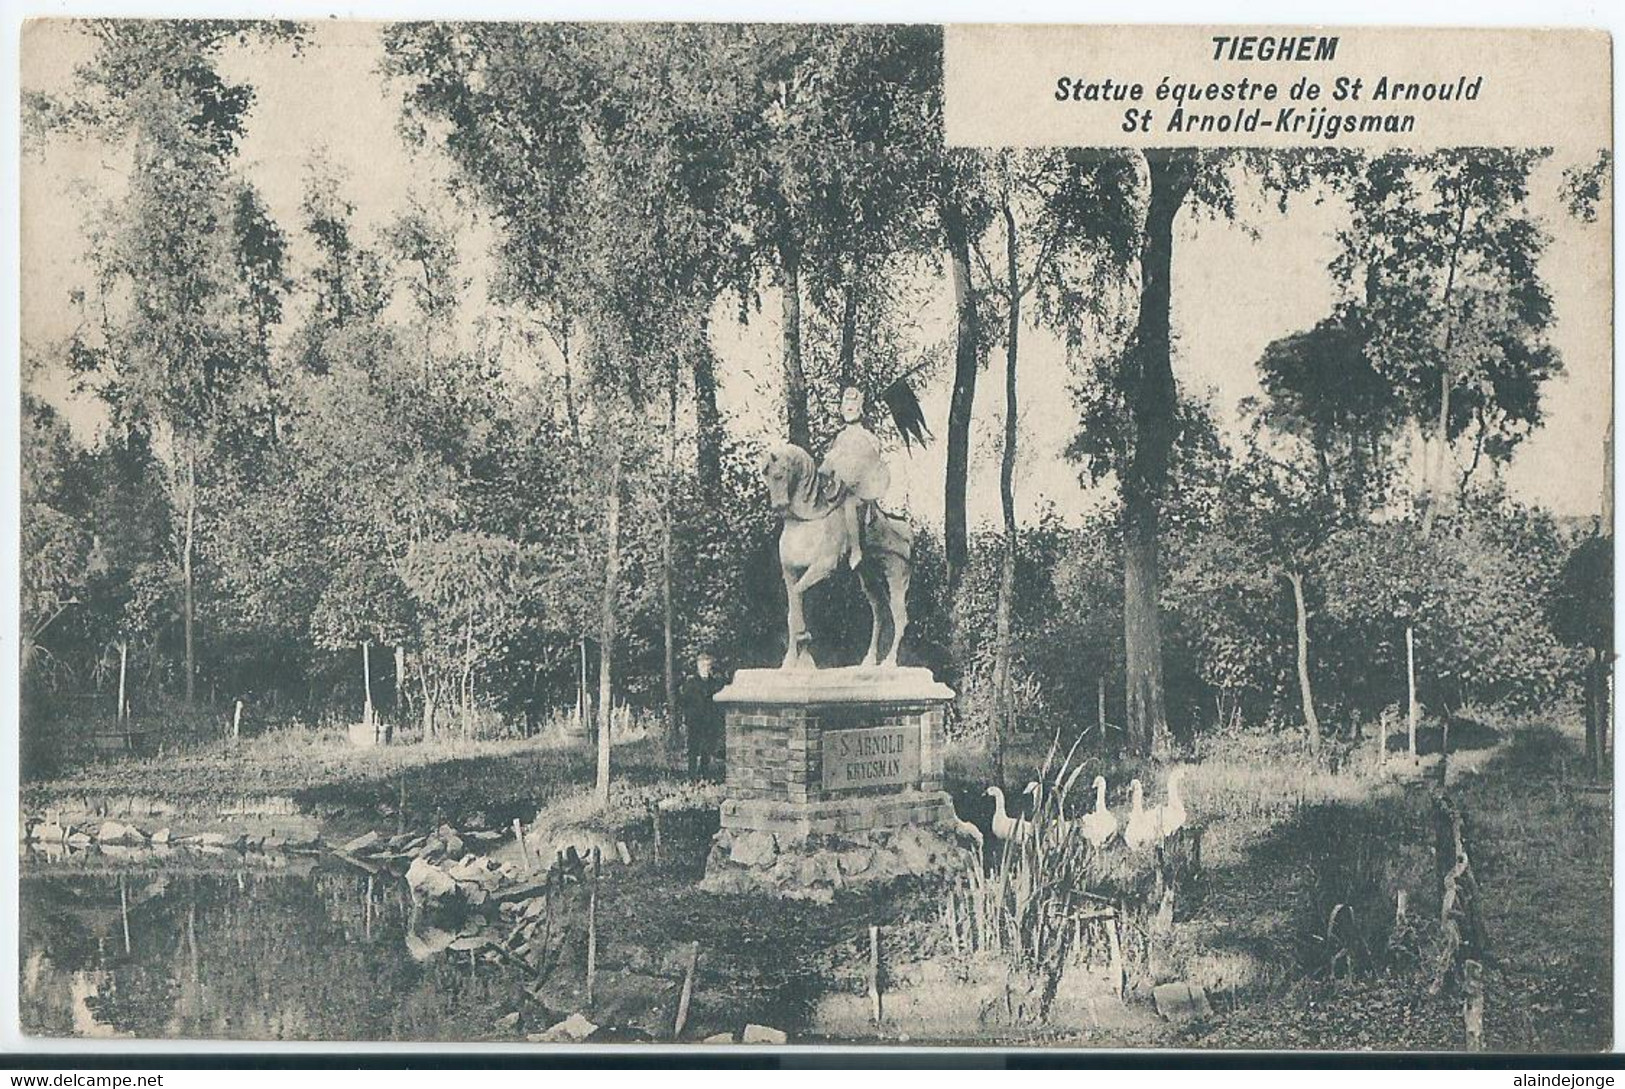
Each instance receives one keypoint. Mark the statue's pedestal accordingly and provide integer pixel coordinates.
(834, 777)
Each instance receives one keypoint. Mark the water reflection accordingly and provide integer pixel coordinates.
(214, 947)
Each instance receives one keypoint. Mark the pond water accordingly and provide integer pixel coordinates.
(284, 948)
(179, 944)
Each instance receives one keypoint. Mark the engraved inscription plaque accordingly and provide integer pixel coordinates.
(883, 756)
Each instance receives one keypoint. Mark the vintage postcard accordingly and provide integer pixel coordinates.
(557, 534)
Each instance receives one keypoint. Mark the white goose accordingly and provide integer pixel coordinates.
(1100, 825)
(1141, 828)
(1170, 816)
(1149, 826)
(1006, 827)
(970, 832)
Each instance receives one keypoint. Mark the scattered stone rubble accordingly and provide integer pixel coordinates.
(110, 833)
(818, 867)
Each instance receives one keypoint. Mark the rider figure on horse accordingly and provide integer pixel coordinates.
(853, 473)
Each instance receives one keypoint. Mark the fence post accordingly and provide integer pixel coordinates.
(524, 848)
(874, 973)
(1472, 1007)
(1410, 684)
(592, 931)
(688, 991)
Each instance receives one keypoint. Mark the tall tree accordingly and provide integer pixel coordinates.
(962, 212)
(833, 126)
(56, 547)
(180, 266)
(1131, 416)
(1442, 255)
(1347, 426)
(1151, 400)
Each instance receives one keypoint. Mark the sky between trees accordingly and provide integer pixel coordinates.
(1235, 290)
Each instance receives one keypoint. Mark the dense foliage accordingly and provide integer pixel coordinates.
(318, 472)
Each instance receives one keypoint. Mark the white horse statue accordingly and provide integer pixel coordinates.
(815, 541)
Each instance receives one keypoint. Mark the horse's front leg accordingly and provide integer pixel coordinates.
(866, 579)
(795, 624)
(897, 576)
(816, 572)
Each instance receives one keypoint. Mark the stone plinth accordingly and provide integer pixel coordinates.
(825, 768)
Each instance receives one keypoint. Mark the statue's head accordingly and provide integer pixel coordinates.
(852, 404)
(789, 474)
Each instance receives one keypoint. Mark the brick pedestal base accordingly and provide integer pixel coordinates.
(831, 760)
(835, 750)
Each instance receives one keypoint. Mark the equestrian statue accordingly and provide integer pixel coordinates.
(832, 516)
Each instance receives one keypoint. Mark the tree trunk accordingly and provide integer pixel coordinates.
(582, 704)
(571, 412)
(1604, 714)
(849, 331)
(707, 417)
(1100, 708)
(123, 664)
(1436, 491)
(187, 547)
(468, 676)
(428, 701)
(1447, 378)
(795, 379)
(606, 619)
(1411, 708)
(1589, 708)
(366, 682)
(668, 607)
(1152, 402)
(1597, 712)
(956, 546)
(1004, 695)
(1311, 722)
(1608, 478)
(1147, 725)
(400, 685)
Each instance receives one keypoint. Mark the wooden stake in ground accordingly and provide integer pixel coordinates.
(1461, 922)
(1119, 982)
(524, 848)
(367, 717)
(687, 994)
(592, 931)
(1411, 709)
(124, 913)
(1472, 1003)
(874, 973)
(1100, 708)
(237, 720)
(123, 664)
(654, 811)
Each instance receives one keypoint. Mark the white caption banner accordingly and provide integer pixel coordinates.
(1227, 86)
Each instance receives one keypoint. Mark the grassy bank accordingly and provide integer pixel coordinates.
(1540, 837)
(321, 773)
